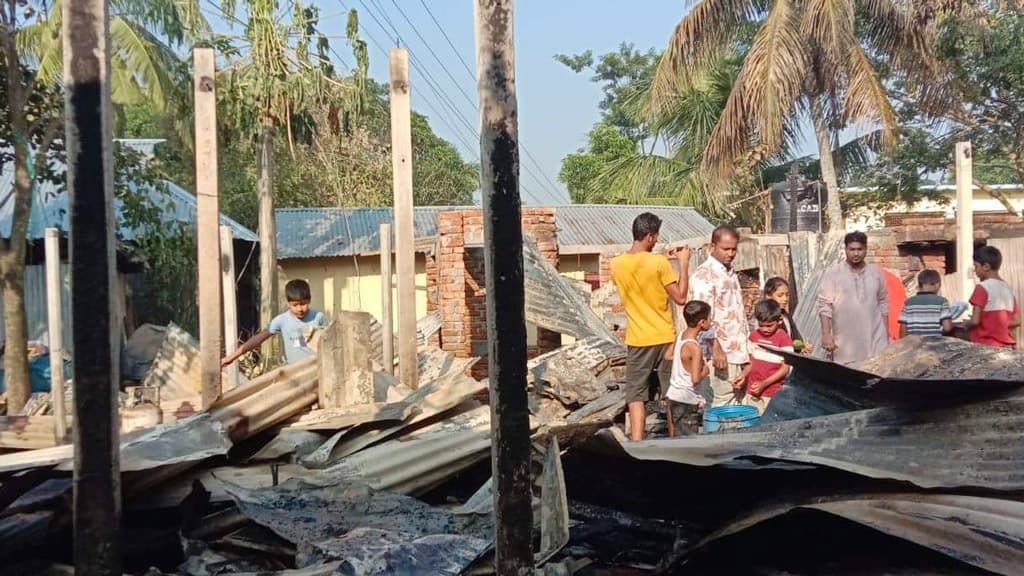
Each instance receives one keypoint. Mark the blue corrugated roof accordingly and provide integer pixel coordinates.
(50, 207)
(328, 232)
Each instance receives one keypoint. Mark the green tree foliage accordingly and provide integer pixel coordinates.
(623, 75)
(143, 34)
(581, 171)
(350, 166)
(805, 57)
(977, 96)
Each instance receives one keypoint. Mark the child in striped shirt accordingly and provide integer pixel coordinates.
(926, 313)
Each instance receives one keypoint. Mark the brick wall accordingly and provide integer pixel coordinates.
(459, 277)
(917, 241)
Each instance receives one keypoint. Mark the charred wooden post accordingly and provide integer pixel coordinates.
(503, 264)
(90, 182)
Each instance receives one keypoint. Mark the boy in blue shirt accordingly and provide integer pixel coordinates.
(296, 327)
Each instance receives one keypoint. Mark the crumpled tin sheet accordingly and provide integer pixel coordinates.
(373, 552)
(940, 358)
(578, 373)
(302, 512)
(318, 518)
(915, 370)
(976, 444)
(417, 462)
(553, 303)
(828, 255)
(983, 532)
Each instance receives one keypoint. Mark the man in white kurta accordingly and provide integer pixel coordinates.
(853, 305)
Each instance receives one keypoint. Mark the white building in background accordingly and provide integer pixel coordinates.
(983, 202)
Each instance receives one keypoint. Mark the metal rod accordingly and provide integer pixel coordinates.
(55, 329)
(96, 332)
(503, 265)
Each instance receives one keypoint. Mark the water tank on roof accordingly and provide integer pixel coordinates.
(811, 197)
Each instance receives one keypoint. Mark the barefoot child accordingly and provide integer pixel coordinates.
(296, 326)
(767, 370)
(683, 401)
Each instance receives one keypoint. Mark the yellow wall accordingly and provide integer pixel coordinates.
(575, 266)
(357, 283)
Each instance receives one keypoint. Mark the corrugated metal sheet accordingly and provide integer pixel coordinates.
(976, 444)
(49, 208)
(610, 224)
(983, 532)
(812, 271)
(553, 303)
(329, 232)
(35, 304)
(326, 232)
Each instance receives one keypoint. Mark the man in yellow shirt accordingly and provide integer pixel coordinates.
(646, 282)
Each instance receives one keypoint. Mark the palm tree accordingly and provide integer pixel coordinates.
(143, 66)
(812, 56)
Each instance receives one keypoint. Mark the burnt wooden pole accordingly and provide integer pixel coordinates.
(96, 333)
(503, 263)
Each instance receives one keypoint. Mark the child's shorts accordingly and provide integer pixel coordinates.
(685, 417)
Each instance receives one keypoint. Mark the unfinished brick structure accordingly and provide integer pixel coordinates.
(913, 242)
(456, 284)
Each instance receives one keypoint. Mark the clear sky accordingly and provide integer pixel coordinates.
(556, 106)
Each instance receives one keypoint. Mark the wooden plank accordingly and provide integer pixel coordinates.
(28, 432)
(405, 261)
(207, 223)
(55, 329)
(387, 318)
(227, 284)
(964, 216)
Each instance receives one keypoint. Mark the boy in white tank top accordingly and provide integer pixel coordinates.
(683, 400)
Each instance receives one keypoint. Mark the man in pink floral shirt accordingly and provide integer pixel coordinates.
(716, 283)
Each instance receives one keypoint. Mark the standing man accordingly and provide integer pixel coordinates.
(716, 283)
(645, 282)
(853, 305)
